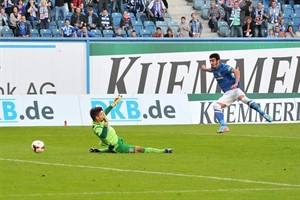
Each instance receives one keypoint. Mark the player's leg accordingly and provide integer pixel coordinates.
(252, 104)
(95, 150)
(218, 106)
(125, 148)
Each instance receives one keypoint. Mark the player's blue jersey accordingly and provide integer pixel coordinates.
(224, 77)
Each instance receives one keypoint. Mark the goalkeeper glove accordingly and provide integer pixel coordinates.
(116, 101)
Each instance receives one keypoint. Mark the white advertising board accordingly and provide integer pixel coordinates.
(42, 68)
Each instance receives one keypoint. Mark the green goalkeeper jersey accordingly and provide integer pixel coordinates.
(111, 139)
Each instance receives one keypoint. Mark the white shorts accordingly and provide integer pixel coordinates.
(231, 96)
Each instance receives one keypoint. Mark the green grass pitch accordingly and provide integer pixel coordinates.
(249, 162)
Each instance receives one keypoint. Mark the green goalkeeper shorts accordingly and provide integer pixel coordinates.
(124, 148)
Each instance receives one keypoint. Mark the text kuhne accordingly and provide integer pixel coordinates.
(118, 84)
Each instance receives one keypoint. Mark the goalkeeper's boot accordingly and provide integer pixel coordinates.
(94, 150)
(223, 129)
(267, 117)
(168, 150)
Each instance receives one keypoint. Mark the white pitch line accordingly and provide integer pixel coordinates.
(151, 172)
(237, 135)
(149, 192)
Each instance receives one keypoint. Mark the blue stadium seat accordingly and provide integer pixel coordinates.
(132, 17)
(97, 32)
(7, 32)
(69, 15)
(149, 25)
(173, 25)
(204, 11)
(137, 25)
(223, 29)
(167, 17)
(197, 4)
(107, 33)
(161, 24)
(116, 16)
(145, 33)
(46, 33)
(56, 33)
(297, 9)
(52, 25)
(287, 9)
(60, 23)
(34, 33)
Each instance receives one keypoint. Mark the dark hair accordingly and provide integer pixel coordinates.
(95, 111)
(215, 55)
(158, 28)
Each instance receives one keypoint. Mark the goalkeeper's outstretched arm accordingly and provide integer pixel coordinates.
(113, 104)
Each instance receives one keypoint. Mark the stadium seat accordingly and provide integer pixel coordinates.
(29, 24)
(7, 32)
(145, 33)
(173, 25)
(34, 33)
(132, 17)
(116, 16)
(167, 17)
(60, 23)
(107, 33)
(204, 11)
(46, 33)
(161, 24)
(296, 19)
(123, 33)
(149, 25)
(97, 32)
(52, 25)
(223, 29)
(56, 33)
(287, 9)
(69, 15)
(141, 17)
(297, 9)
(137, 25)
(197, 4)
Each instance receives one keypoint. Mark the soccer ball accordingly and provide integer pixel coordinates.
(38, 146)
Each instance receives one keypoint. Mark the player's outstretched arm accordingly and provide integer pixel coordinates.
(204, 68)
(113, 104)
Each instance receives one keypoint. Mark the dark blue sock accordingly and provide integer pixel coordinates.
(253, 105)
(220, 117)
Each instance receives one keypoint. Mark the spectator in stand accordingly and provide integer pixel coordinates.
(248, 28)
(8, 5)
(156, 10)
(196, 27)
(298, 32)
(135, 6)
(133, 33)
(60, 10)
(290, 32)
(14, 17)
(236, 18)
(78, 19)
(146, 4)
(4, 19)
(282, 25)
(101, 4)
(259, 17)
(158, 33)
(117, 6)
(126, 22)
(91, 19)
(76, 4)
(44, 15)
(21, 8)
(183, 28)
(169, 33)
(68, 30)
(118, 33)
(32, 12)
(84, 33)
(166, 4)
(22, 28)
(271, 34)
(214, 14)
(278, 33)
(274, 15)
(105, 21)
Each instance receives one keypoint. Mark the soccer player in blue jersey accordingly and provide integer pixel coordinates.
(228, 79)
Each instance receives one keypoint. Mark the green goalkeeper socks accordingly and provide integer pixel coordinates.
(152, 150)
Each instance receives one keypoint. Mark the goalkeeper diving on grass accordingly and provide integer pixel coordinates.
(108, 137)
